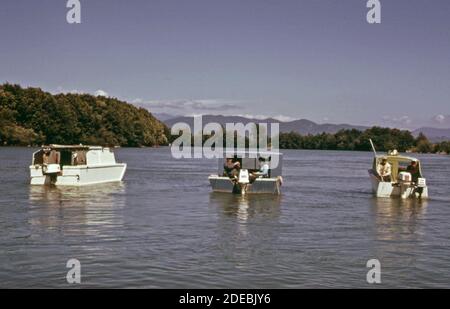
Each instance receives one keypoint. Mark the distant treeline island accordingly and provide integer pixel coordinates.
(32, 117)
(385, 139)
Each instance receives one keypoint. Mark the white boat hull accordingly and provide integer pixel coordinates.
(259, 186)
(389, 189)
(79, 175)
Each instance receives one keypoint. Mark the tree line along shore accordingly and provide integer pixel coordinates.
(385, 139)
(32, 117)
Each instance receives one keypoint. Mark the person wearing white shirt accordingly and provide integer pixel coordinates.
(263, 171)
(384, 170)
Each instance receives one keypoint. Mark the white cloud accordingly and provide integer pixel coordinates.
(199, 107)
(101, 93)
(440, 118)
(281, 118)
(62, 90)
(185, 107)
(137, 101)
(402, 120)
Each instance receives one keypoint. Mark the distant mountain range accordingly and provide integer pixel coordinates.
(435, 135)
(302, 126)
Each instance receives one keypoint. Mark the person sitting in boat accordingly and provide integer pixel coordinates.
(50, 156)
(231, 169)
(263, 171)
(413, 169)
(384, 170)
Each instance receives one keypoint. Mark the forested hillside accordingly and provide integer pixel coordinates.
(33, 117)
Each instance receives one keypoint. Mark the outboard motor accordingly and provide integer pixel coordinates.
(243, 180)
(48, 169)
(243, 176)
(405, 180)
(51, 171)
(421, 183)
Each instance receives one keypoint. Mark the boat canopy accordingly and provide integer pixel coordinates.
(252, 153)
(73, 155)
(72, 147)
(397, 158)
(396, 162)
(249, 160)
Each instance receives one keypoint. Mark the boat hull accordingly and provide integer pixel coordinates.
(389, 189)
(79, 175)
(259, 186)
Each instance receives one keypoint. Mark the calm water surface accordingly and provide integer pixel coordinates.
(163, 228)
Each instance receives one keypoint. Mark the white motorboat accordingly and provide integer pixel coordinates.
(402, 182)
(243, 182)
(75, 165)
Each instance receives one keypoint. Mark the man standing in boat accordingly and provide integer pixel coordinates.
(231, 169)
(413, 168)
(384, 170)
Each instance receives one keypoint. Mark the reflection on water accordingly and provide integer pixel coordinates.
(399, 229)
(398, 218)
(244, 227)
(74, 210)
(246, 206)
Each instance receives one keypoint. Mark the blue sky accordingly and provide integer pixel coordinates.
(310, 59)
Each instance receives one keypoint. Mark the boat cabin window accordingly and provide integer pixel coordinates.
(38, 157)
(63, 157)
(73, 157)
(66, 157)
(46, 156)
(51, 157)
(79, 157)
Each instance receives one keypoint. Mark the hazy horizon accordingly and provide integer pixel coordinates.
(312, 60)
(437, 122)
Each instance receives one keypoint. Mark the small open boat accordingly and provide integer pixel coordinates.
(405, 179)
(75, 165)
(249, 164)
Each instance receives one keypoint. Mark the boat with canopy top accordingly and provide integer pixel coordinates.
(75, 165)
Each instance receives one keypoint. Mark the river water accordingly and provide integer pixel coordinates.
(164, 228)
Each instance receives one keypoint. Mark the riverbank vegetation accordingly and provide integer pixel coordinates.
(385, 139)
(33, 117)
